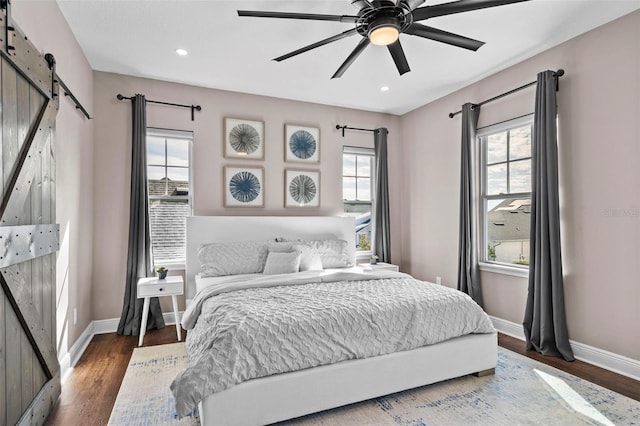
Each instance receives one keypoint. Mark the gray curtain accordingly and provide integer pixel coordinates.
(468, 271)
(545, 325)
(382, 232)
(139, 264)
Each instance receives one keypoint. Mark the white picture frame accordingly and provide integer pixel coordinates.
(243, 186)
(301, 144)
(301, 188)
(243, 139)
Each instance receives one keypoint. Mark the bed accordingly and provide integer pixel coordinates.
(277, 397)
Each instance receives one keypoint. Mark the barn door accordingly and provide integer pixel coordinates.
(29, 369)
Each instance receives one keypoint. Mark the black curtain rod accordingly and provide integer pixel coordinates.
(557, 74)
(193, 107)
(345, 127)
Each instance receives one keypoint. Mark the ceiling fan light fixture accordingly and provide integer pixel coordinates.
(384, 31)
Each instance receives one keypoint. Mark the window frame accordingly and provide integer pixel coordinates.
(482, 135)
(361, 255)
(176, 264)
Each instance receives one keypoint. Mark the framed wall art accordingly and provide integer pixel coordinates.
(301, 144)
(243, 186)
(243, 139)
(301, 188)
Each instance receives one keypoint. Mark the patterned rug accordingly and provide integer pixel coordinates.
(144, 397)
(522, 392)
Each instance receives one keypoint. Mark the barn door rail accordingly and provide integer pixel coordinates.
(51, 60)
(40, 71)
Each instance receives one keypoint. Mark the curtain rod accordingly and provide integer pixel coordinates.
(345, 127)
(193, 107)
(557, 74)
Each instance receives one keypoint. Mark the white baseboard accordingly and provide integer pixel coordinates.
(608, 360)
(75, 351)
(69, 360)
(507, 327)
(617, 363)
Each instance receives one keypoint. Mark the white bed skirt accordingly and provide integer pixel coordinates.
(285, 396)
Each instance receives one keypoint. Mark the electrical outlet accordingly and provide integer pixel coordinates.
(75, 316)
(439, 280)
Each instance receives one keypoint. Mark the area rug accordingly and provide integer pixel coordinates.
(144, 397)
(522, 392)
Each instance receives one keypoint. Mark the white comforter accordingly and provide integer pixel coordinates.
(251, 326)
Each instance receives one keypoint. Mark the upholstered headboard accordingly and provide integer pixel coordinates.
(224, 229)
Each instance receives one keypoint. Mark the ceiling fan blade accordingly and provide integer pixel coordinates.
(361, 4)
(290, 15)
(412, 3)
(458, 7)
(397, 53)
(352, 57)
(443, 36)
(318, 44)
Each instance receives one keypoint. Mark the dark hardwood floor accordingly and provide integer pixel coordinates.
(90, 391)
(605, 378)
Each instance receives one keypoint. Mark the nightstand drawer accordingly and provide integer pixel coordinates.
(154, 287)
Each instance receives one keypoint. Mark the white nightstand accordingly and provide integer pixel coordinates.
(378, 266)
(154, 287)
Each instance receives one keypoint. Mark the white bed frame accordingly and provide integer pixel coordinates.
(285, 396)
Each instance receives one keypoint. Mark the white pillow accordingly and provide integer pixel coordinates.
(332, 253)
(219, 259)
(282, 263)
(309, 259)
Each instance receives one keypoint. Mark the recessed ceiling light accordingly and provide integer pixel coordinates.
(384, 89)
(181, 52)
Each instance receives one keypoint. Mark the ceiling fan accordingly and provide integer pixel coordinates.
(380, 22)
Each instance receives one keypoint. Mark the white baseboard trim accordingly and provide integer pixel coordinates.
(69, 360)
(617, 363)
(608, 360)
(507, 327)
(75, 351)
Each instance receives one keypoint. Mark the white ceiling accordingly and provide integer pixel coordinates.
(139, 38)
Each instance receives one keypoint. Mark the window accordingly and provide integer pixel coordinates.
(168, 172)
(506, 192)
(357, 187)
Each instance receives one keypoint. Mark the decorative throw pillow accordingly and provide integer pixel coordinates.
(332, 253)
(282, 263)
(219, 259)
(309, 259)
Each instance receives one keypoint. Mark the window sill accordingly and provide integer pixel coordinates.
(504, 269)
